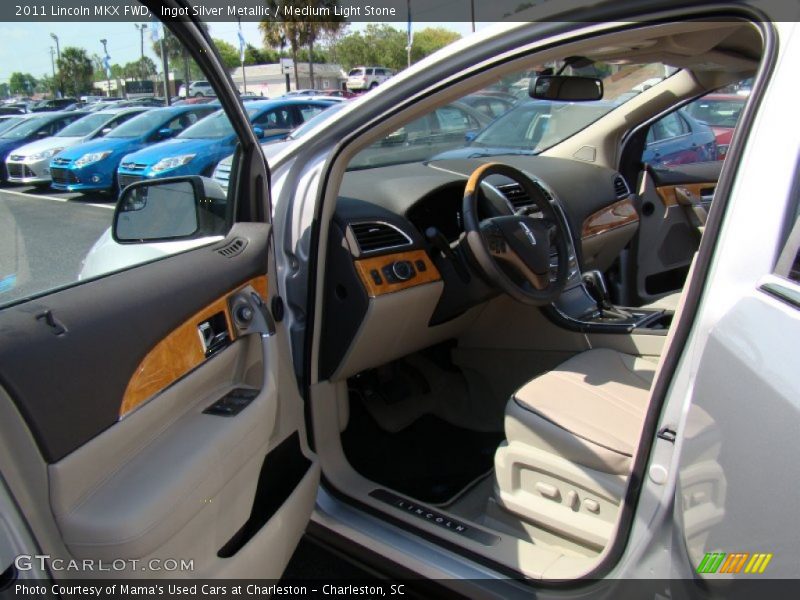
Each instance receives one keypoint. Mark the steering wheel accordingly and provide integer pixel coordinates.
(514, 250)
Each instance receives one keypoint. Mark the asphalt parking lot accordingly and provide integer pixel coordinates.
(44, 237)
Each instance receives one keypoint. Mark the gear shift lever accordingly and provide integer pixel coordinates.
(596, 285)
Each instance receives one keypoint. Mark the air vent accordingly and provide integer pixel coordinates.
(514, 193)
(620, 187)
(232, 248)
(374, 236)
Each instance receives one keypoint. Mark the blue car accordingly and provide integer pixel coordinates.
(197, 150)
(32, 128)
(679, 139)
(92, 166)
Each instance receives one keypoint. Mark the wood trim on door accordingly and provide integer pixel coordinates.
(179, 353)
(667, 192)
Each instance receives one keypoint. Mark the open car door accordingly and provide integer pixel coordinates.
(150, 419)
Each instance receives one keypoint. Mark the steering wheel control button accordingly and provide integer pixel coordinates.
(376, 277)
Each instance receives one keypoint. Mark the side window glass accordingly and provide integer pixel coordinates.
(308, 111)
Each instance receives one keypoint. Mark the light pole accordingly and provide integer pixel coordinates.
(53, 64)
(108, 67)
(58, 55)
(141, 29)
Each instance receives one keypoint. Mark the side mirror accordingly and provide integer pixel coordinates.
(470, 135)
(172, 208)
(565, 88)
(259, 132)
(104, 131)
(43, 133)
(165, 133)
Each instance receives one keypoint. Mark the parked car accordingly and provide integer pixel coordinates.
(92, 166)
(679, 139)
(490, 105)
(55, 104)
(193, 100)
(420, 365)
(197, 150)
(35, 127)
(196, 88)
(30, 164)
(222, 171)
(367, 78)
(337, 93)
(9, 121)
(721, 112)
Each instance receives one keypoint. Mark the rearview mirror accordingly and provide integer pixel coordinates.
(173, 208)
(565, 88)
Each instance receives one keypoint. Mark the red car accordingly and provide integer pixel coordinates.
(338, 93)
(721, 112)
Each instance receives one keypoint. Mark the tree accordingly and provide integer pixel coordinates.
(22, 83)
(259, 56)
(228, 53)
(176, 52)
(315, 29)
(381, 45)
(385, 46)
(431, 39)
(47, 85)
(76, 70)
(282, 32)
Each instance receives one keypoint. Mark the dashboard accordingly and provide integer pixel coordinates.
(399, 276)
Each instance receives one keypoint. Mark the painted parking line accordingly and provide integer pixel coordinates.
(54, 199)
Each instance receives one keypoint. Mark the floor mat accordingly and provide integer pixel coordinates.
(430, 460)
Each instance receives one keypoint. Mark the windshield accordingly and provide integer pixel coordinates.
(315, 120)
(84, 126)
(529, 126)
(141, 124)
(26, 128)
(214, 126)
(355, 72)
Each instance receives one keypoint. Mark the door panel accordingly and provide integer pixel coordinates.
(115, 391)
(668, 236)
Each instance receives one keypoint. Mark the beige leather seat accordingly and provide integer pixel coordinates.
(571, 437)
(589, 410)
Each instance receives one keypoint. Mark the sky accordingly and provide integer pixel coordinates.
(26, 47)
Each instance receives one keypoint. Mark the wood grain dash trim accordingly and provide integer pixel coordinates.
(365, 266)
(179, 353)
(609, 218)
(667, 192)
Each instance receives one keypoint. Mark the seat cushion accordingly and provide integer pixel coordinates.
(668, 302)
(590, 410)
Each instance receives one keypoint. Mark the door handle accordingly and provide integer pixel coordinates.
(250, 313)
